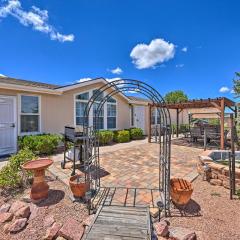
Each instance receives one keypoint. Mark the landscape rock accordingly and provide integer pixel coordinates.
(17, 206)
(71, 230)
(34, 211)
(88, 220)
(180, 233)
(53, 231)
(48, 221)
(23, 212)
(161, 228)
(1, 202)
(217, 182)
(18, 225)
(6, 217)
(5, 207)
(6, 228)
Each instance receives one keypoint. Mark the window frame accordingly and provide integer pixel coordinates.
(112, 104)
(39, 114)
(90, 120)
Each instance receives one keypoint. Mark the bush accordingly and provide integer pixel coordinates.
(11, 174)
(121, 136)
(105, 137)
(136, 133)
(40, 144)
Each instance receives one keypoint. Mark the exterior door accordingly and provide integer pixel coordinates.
(8, 138)
(139, 117)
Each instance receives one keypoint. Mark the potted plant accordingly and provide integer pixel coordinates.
(78, 185)
(181, 191)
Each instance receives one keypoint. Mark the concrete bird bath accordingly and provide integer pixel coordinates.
(40, 187)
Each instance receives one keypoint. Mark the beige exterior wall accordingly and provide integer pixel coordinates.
(57, 111)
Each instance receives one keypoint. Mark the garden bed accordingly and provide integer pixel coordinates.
(57, 206)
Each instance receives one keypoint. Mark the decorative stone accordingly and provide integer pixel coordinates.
(161, 229)
(180, 233)
(226, 184)
(48, 221)
(53, 231)
(23, 212)
(1, 202)
(5, 207)
(6, 228)
(34, 211)
(5, 217)
(71, 230)
(217, 182)
(18, 225)
(88, 220)
(154, 212)
(17, 206)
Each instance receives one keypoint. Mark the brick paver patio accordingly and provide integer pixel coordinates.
(131, 171)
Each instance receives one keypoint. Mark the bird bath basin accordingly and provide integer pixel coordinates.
(40, 187)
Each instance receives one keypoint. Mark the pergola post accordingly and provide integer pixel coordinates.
(149, 123)
(222, 107)
(177, 127)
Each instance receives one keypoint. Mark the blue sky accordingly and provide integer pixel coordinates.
(187, 45)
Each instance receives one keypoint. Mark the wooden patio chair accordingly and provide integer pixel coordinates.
(195, 134)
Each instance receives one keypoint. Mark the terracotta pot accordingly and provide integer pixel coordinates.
(78, 188)
(180, 191)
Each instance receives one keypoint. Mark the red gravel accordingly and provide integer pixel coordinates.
(219, 217)
(58, 205)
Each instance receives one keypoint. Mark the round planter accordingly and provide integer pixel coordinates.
(180, 191)
(78, 186)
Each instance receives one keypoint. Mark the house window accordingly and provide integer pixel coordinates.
(100, 118)
(111, 115)
(81, 101)
(155, 116)
(29, 114)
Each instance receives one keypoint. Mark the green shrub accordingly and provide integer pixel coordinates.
(136, 133)
(121, 136)
(11, 175)
(105, 137)
(40, 144)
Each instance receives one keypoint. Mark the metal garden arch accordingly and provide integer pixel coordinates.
(91, 142)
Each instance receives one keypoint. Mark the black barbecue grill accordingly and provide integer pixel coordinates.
(76, 138)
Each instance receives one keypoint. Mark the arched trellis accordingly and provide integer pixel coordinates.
(91, 143)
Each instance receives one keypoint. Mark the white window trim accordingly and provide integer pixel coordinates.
(90, 91)
(39, 114)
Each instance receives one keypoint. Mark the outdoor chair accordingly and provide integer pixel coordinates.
(195, 133)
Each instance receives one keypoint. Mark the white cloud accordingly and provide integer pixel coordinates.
(117, 70)
(112, 79)
(35, 17)
(184, 49)
(84, 79)
(224, 90)
(179, 65)
(157, 52)
(88, 78)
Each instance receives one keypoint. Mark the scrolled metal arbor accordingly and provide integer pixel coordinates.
(91, 142)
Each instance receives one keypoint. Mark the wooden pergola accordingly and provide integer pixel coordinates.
(218, 103)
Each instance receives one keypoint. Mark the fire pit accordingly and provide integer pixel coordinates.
(40, 187)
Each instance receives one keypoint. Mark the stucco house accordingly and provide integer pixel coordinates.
(28, 107)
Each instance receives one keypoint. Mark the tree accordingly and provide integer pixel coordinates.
(176, 97)
(236, 84)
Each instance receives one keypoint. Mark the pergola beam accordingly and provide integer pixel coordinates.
(222, 123)
(218, 103)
